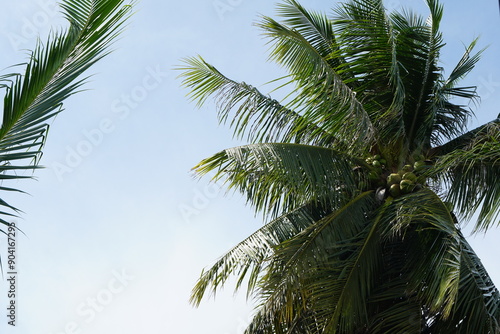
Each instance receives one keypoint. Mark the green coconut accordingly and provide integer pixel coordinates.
(395, 190)
(419, 165)
(410, 176)
(408, 168)
(406, 186)
(393, 179)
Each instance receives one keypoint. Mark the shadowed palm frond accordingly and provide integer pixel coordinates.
(277, 177)
(317, 268)
(476, 308)
(248, 258)
(472, 171)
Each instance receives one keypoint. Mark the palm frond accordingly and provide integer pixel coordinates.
(320, 91)
(256, 115)
(450, 119)
(368, 42)
(52, 74)
(247, 259)
(476, 308)
(316, 28)
(367, 99)
(277, 177)
(462, 141)
(425, 225)
(302, 272)
(471, 172)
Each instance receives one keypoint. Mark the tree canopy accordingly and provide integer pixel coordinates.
(364, 172)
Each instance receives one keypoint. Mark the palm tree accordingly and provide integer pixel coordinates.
(53, 73)
(362, 172)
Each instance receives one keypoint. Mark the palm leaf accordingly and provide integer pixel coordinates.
(277, 177)
(368, 41)
(52, 74)
(302, 268)
(477, 306)
(363, 85)
(256, 115)
(320, 93)
(247, 259)
(451, 120)
(471, 172)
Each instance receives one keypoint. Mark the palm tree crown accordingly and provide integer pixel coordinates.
(364, 171)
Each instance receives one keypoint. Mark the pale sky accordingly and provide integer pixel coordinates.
(117, 230)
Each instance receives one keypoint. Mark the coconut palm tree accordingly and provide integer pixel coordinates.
(364, 172)
(52, 73)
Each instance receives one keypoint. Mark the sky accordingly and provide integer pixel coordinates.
(117, 229)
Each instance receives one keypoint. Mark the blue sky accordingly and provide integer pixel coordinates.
(117, 229)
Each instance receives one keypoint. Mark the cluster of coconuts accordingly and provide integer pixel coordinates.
(376, 174)
(405, 181)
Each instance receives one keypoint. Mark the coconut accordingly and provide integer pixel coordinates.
(406, 186)
(419, 165)
(376, 163)
(395, 190)
(408, 168)
(418, 157)
(410, 176)
(393, 179)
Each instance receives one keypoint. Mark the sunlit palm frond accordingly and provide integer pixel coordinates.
(52, 74)
(320, 93)
(256, 115)
(450, 119)
(316, 28)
